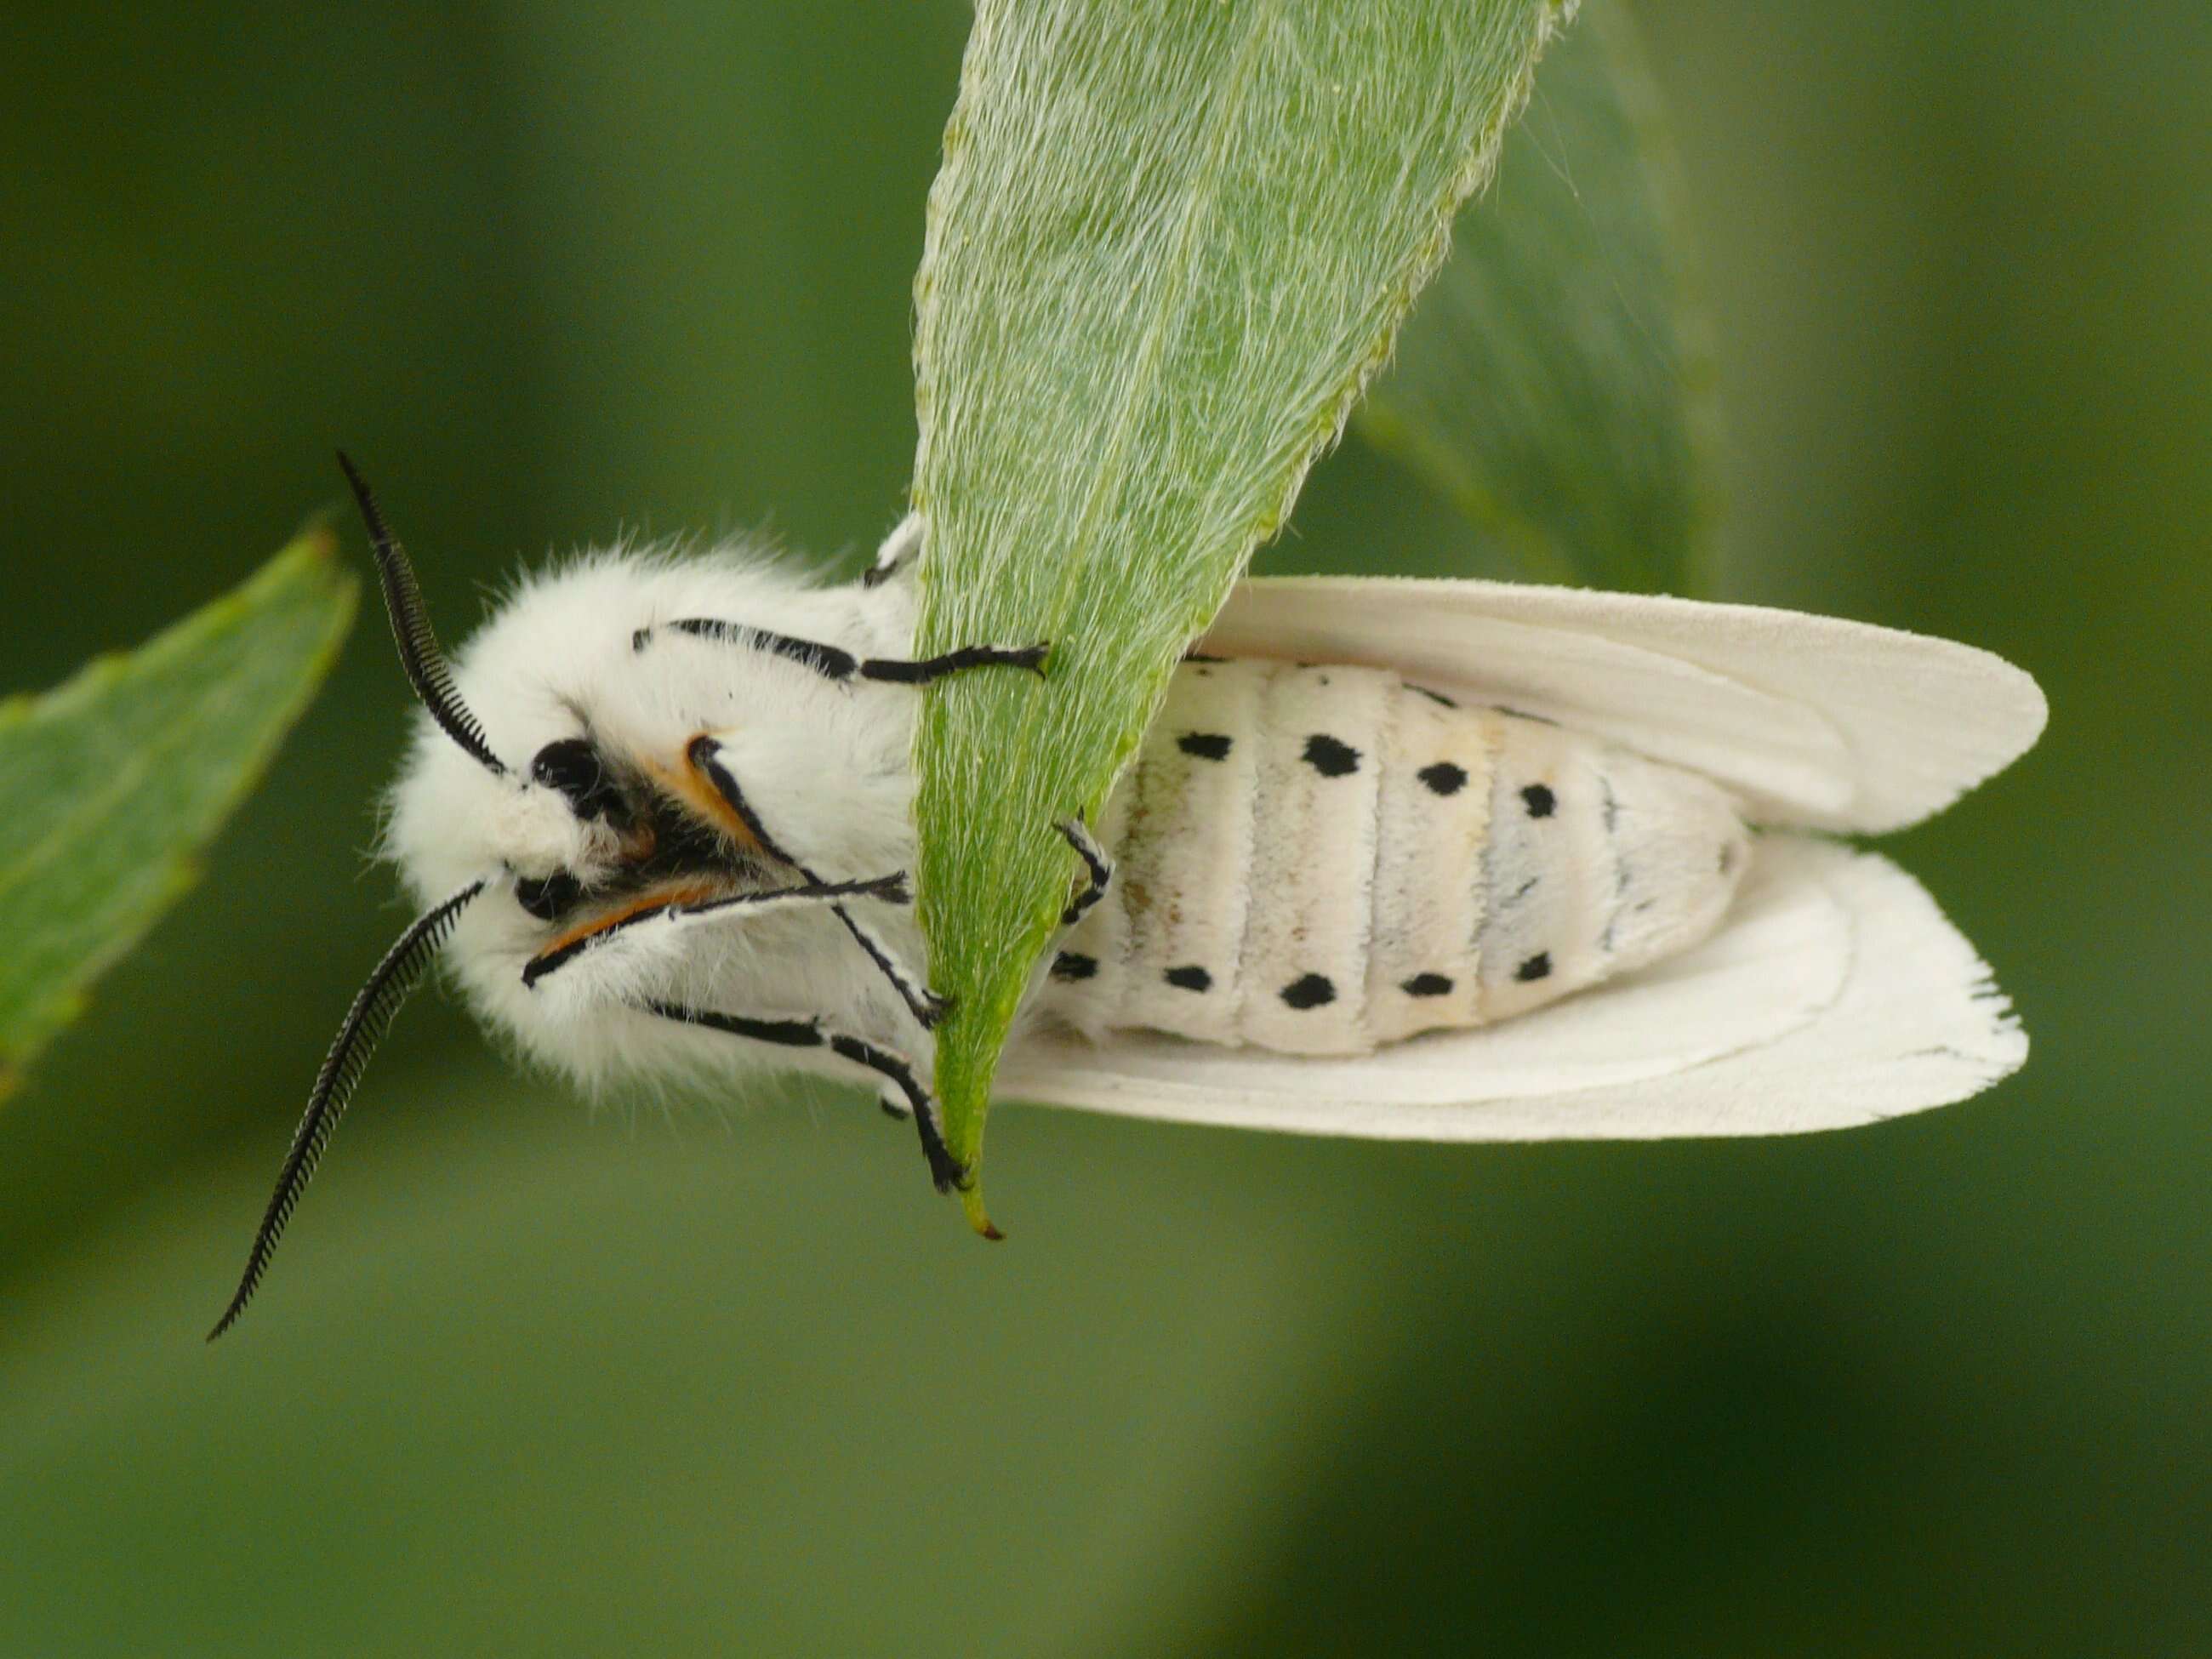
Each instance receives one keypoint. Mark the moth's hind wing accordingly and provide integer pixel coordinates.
(1811, 721)
(1836, 995)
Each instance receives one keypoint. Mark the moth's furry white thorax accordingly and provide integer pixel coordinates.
(584, 650)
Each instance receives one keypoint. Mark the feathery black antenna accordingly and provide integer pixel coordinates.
(410, 628)
(365, 1023)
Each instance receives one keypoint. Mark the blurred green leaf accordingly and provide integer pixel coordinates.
(1168, 246)
(1554, 383)
(116, 779)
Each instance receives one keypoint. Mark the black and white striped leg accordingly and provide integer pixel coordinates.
(921, 671)
(839, 666)
(924, 1004)
(893, 889)
(1098, 869)
(945, 1172)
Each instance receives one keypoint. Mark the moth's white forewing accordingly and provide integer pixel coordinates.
(1812, 721)
(1836, 995)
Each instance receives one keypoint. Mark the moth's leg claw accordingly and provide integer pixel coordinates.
(946, 1173)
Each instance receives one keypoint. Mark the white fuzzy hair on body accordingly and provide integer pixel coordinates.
(1452, 860)
(828, 765)
(1331, 860)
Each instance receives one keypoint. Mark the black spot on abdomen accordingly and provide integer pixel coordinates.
(1190, 978)
(1443, 778)
(1311, 991)
(1427, 985)
(1205, 746)
(1540, 800)
(1071, 965)
(1536, 967)
(1329, 757)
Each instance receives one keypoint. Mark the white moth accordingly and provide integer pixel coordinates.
(1448, 861)
(1830, 991)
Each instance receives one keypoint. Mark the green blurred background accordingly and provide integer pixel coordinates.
(533, 1380)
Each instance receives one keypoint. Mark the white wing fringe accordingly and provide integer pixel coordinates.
(1835, 994)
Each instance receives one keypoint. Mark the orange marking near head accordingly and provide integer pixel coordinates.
(685, 783)
(692, 892)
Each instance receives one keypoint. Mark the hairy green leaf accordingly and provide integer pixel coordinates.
(1554, 383)
(1169, 245)
(116, 779)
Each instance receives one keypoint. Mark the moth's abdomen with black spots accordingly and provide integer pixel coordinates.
(1318, 858)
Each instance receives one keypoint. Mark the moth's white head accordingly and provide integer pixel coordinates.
(551, 786)
(591, 707)
(561, 693)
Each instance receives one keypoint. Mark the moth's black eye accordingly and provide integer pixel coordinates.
(549, 899)
(573, 766)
